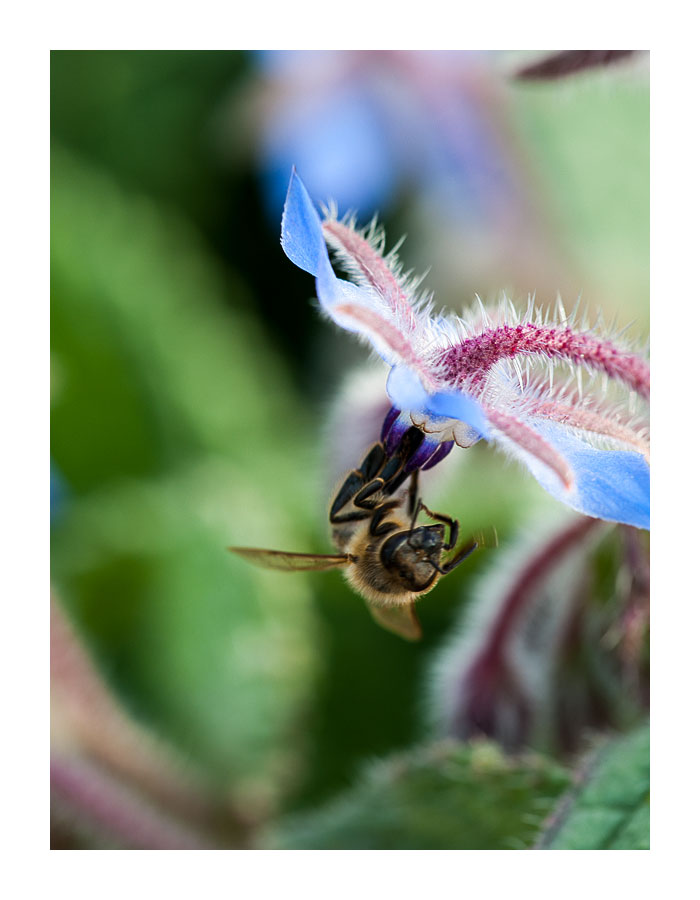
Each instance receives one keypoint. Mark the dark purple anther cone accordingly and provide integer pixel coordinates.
(442, 450)
(389, 420)
(423, 454)
(394, 434)
(426, 456)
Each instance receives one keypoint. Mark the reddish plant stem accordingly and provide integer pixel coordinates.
(372, 266)
(471, 360)
(531, 576)
(533, 443)
(90, 799)
(568, 62)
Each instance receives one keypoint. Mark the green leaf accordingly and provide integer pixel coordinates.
(157, 357)
(177, 432)
(591, 134)
(148, 117)
(447, 796)
(608, 809)
(213, 654)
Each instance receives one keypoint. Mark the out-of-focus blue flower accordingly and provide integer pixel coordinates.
(58, 493)
(360, 124)
(461, 380)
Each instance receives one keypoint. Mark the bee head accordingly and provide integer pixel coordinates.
(413, 556)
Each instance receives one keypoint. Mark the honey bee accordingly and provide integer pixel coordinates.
(387, 558)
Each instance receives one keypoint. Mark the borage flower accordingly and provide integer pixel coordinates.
(460, 380)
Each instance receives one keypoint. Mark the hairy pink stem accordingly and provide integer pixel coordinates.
(550, 556)
(355, 249)
(568, 62)
(386, 332)
(532, 443)
(85, 797)
(488, 678)
(471, 359)
(595, 422)
(87, 714)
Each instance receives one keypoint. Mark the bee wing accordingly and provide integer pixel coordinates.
(402, 620)
(291, 562)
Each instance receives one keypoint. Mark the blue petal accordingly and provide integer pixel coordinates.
(610, 484)
(456, 405)
(406, 392)
(333, 291)
(304, 244)
(59, 494)
(302, 235)
(405, 389)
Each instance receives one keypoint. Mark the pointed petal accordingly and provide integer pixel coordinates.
(607, 484)
(346, 305)
(535, 447)
(457, 405)
(475, 356)
(367, 266)
(406, 391)
(354, 308)
(610, 484)
(302, 236)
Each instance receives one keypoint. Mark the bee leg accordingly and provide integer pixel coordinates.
(365, 497)
(348, 489)
(413, 500)
(373, 462)
(414, 504)
(462, 554)
(336, 519)
(452, 524)
(377, 525)
(393, 472)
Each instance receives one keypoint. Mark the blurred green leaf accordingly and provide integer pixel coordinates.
(174, 425)
(147, 116)
(150, 366)
(608, 808)
(444, 797)
(215, 655)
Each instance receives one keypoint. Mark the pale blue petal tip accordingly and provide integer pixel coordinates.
(406, 391)
(329, 288)
(613, 485)
(455, 405)
(302, 235)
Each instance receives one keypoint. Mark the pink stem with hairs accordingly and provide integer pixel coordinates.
(471, 359)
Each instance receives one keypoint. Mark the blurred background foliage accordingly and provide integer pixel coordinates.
(192, 382)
